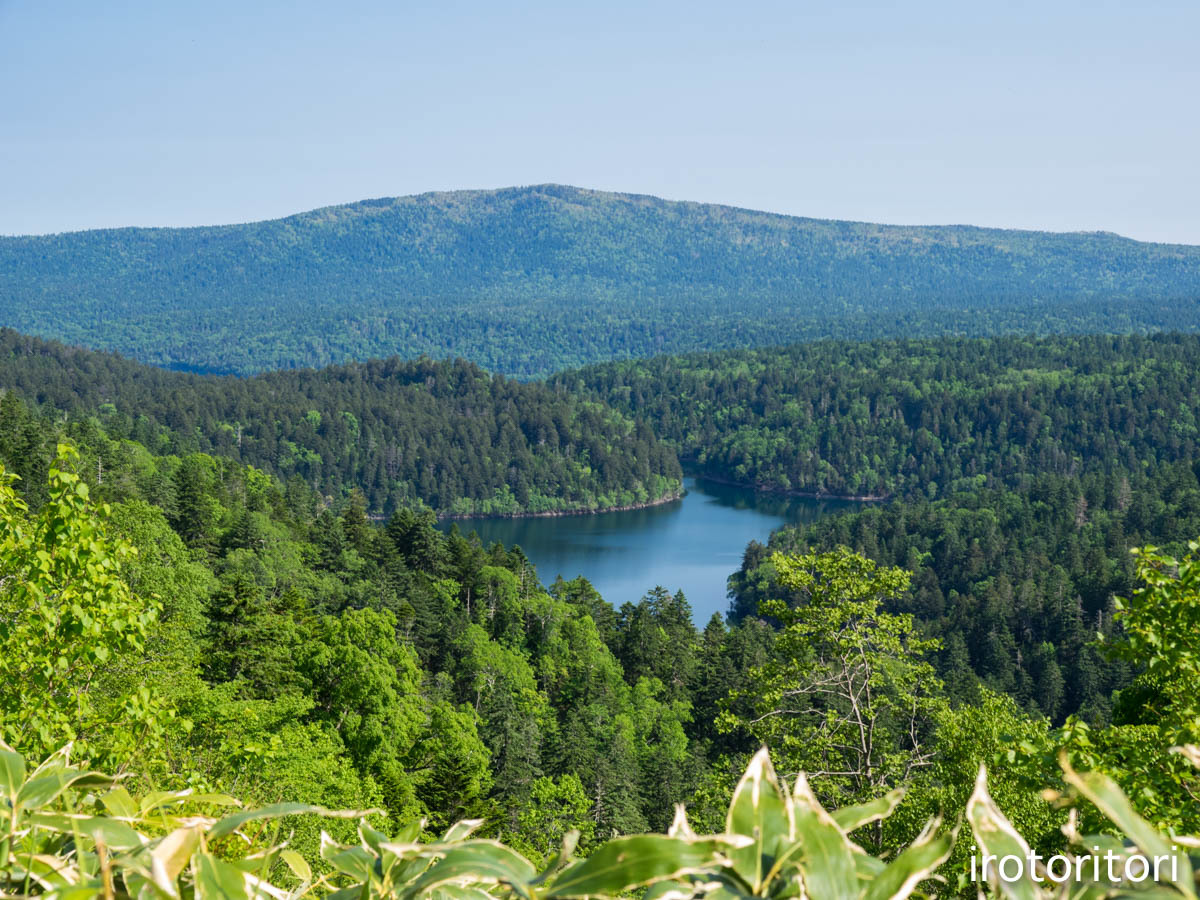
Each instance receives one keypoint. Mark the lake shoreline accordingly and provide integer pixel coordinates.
(563, 513)
(668, 498)
(776, 492)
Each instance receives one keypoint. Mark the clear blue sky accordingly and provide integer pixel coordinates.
(1043, 115)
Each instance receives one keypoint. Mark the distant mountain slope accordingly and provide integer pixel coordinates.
(529, 280)
(447, 433)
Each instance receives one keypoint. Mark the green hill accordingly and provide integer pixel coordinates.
(445, 433)
(530, 280)
(914, 418)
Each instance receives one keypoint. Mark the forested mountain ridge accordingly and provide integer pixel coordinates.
(915, 417)
(531, 280)
(446, 434)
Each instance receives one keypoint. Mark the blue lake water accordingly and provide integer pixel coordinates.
(693, 544)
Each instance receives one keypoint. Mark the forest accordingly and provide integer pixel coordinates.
(915, 418)
(207, 624)
(528, 281)
(444, 434)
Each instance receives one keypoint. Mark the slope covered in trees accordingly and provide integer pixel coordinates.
(1020, 471)
(1016, 582)
(296, 650)
(260, 642)
(916, 418)
(445, 434)
(217, 629)
(527, 281)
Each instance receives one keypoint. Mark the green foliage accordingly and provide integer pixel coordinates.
(365, 686)
(269, 641)
(1158, 632)
(1094, 865)
(70, 832)
(1014, 584)
(989, 731)
(555, 808)
(847, 695)
(1158, 715)
(304, 653)
(70, 624)
(778, 842)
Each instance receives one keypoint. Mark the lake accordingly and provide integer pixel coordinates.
(692, 544)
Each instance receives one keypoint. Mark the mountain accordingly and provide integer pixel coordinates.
(530, 280)
(447, 434)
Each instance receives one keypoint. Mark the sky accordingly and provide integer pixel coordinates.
(1049, 115)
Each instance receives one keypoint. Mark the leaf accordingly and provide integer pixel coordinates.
(356, 862)
(852, 818)
(113, 833)
(460, 830)
(1104, 794)
(217, 880)
(826, 857)
(90, 890)
(119, 803)
(475, 862)
(996, 837)
(680, 890)
(565, 851)
(44, 789)
(371, 836)
(297, 863)
(759, 810)
(156, 800)
(232, 823)
(459, 892)
(680, 826)
(915, 863)
(170, 857)
(410, 832)
(629, 862)
(12, 774)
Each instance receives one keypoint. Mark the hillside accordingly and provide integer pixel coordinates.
(264, 640)
(527, 281)
(914, 418)
(446, 434)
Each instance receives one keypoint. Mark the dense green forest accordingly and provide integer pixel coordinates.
(1021, 471)
(916, 418)
(197, 627)
(446, 434)
(311, 652)
(527, 281)
(196, 622)
(1016, 583)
